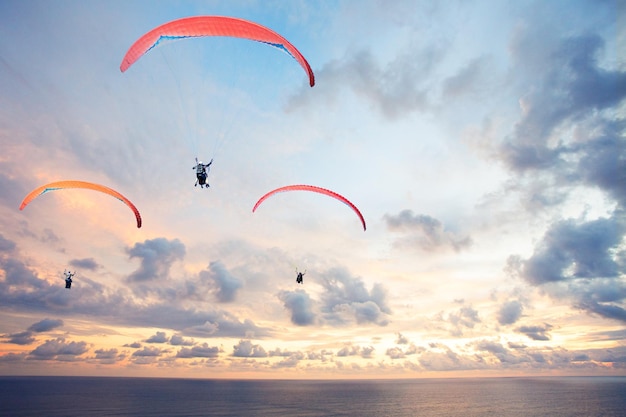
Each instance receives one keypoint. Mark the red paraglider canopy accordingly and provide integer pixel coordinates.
(197, 26)
(314, 189)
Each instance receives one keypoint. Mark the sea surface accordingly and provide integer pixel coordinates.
(498, 397)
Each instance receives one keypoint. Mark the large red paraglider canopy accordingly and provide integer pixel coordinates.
(197, 26)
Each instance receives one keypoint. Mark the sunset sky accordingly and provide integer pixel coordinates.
(483, 142)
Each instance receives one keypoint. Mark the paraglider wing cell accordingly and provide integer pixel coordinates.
(59, 185)
(315, 189)
(198, 26)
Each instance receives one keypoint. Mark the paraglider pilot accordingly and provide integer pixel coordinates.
(300, 277)
(201, 173)
(68, 278)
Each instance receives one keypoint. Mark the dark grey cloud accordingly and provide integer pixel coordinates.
(199, 351)
(510, 312)
(23, 290)
(149, 351)
(574, 249)
(504, 355)
(424, 232)
(345, 299)
(222, 282)
(571, 86)
(86, 263)
(27, 337)
(536, 332)
(159, 337)
(6, 245)
(602, 161)
(108, 356)
(18, 274)
(178, 340)
(134, 345)
(300, 306)
(22, 338)
(54, 348)
(45, 325)
(583, 261)
(246, 349)
(157, 256)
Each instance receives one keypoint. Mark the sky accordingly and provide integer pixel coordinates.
(483, 142)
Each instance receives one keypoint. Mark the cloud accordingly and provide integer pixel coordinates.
(466, 80)
(177, 340)
(224, 284)
(159, 337)
(349, 350)
(602, 161)
(395, 89)
(346, 299)
(583, 261)
(423, 232)
(571, 86)
(402, 340)
(149, 351)
(6, 245)
(86, 263)
(157, 256)
(22, 338)
(108, 356)
(45, 325)
(200, 351)
(290, 360)
(245, 349)
(26, 337)
(536, 332)
(55, 348)
(465, 318)
(510, 312)
(13, 190)
(300, 305)
(572, 249)
(23, 290)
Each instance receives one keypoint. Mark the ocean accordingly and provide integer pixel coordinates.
(498, 397)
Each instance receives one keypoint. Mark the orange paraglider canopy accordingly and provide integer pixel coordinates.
(60, 185)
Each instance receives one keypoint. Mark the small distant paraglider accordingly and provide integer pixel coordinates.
(202, 171)
(300, 276)
(68, 278)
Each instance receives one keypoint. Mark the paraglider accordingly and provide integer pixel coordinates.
(202, 171)
(60, 185)
(300, 276)
(68, 278)
(313, 189)
(199, 26)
